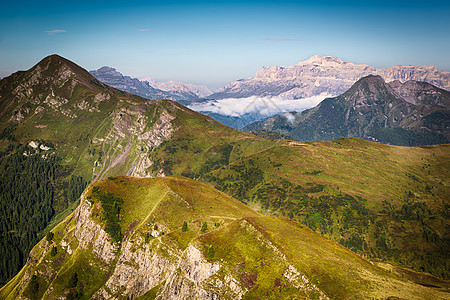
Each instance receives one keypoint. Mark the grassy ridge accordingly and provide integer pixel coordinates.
(266, 256)
(380, 201)
(377, 200)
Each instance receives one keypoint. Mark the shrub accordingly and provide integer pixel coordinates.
(73, 280)
(49, 236)
(211, 252)
(204, 227)
(34, 285)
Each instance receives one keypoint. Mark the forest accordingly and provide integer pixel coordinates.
(34, 187)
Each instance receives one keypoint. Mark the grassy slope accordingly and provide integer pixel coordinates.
(377, 200)
(380, 201)
(254, 249)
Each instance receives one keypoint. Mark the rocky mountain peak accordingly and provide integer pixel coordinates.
(58, 73)
(55, 85)
(109, 75)
(411, 113)
(369, 90)
(149, 88)
(322, 60)
(108, 70)
(370, 81)
(54, 64)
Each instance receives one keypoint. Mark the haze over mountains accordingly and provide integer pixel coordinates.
(61, 128)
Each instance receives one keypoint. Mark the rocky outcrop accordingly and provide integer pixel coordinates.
(90, 234)
(139, 270)
(138, 267)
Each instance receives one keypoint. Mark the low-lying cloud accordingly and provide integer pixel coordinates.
(263, 106)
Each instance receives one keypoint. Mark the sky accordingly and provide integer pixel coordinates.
(216, 42)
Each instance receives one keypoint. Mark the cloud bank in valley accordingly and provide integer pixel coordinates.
(263, 106)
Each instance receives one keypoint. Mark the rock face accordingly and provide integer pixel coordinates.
(181, 274)
(323, 74)
(411, 113)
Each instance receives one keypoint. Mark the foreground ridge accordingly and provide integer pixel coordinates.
(124, 241)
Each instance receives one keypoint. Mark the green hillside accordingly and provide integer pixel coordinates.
(177, 237)
(62, 129)
(383, 202)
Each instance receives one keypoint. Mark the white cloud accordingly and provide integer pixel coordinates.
(263, 106)
(290, 117)
(54, 31)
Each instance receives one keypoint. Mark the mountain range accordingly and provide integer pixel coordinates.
(178, 87)
(254, 208)
(323, 74)
(308, 82)
(150, 88)
(411, 113)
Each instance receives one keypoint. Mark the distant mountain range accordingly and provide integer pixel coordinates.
(150, 88)
(308, 82)
(180, 89)
(411, 113)
(323, 74)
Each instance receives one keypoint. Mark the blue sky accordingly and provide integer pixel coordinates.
(215, 42)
